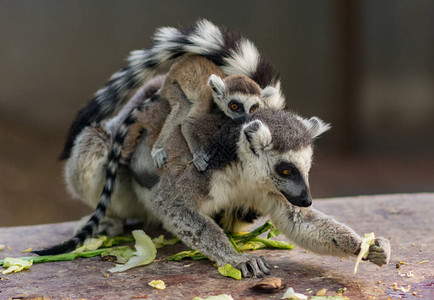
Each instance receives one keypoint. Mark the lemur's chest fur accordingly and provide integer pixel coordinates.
(230, 189)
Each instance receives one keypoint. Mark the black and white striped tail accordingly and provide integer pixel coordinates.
(113, 165)
(229, 50)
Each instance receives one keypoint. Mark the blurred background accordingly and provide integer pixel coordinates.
(365, 66)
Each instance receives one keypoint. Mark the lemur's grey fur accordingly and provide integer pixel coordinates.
(226, 48)
(193, 87)
(118, 127)
(246, 174)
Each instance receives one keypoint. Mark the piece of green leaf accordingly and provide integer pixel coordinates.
(291, 294)
(161, 241)
(367, 240)
(273, 233)
(229, 271)
(145, 252)
(14, 265)
(116, 240)
(251, 245)
(274, 244)
(121, 254)
(193, 254)
(91, 244)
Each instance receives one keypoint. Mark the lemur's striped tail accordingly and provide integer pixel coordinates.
(233, 53)
(112, 168)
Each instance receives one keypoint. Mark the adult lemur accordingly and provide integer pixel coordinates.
(260, 167)
(257, 168)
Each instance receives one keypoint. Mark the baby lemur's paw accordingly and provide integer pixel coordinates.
(251, 265)
(159, 156)
(200, 160)
(379, 253)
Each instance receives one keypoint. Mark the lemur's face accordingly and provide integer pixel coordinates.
(290, 173)
(282, 160)
(239, 106)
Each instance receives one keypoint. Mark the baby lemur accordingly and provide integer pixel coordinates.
(192, 87)
(229, 50)
(259, 167)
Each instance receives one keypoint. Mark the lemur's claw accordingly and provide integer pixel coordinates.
(379, 253)
(159, 156)
(252, 266)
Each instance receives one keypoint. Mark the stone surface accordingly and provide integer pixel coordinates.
(406, 219)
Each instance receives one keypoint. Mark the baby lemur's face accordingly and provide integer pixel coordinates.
(238, 95)
(240, 105)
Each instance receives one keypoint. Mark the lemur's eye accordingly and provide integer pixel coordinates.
(253, 108)
(234, 106)
(286, 172)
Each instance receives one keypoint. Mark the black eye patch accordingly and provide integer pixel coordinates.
(236, 106)
(287, 170)
(253, 108)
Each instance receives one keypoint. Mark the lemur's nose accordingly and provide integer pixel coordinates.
(241, 119)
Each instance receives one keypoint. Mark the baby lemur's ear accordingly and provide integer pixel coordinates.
(217, 85)
(268, 92)
(315, 126)
(257, 135)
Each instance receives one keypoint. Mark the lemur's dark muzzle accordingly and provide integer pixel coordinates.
(303, 200)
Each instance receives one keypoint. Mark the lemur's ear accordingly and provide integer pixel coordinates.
(257, 135)
(217, 85)
(315, 126)
(268, 92)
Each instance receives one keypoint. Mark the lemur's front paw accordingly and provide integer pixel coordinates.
(379, 253)
(251, 265)
(159, 156)
(200, 160)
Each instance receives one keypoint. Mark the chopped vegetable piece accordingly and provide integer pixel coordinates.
(194, 255)
(91, 244)
(2, 247)
(157, 284)
(423, 262)
(120, 254)
(321, 292)
(367, 241)
(219, 297)
(144, 255)
(27, 250)
(161, 241)
(291, 294)
(15, 265)
(273, 233)
(229, 271)
(116, 240)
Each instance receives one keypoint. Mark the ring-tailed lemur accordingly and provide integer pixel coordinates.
(192, 87)
(261, 166)
(227, 49)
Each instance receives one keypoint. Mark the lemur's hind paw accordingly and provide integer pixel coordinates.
(200, 160)
(379, 253)
(159, 156)
(252, 265)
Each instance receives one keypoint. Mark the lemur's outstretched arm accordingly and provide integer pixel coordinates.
(322, 234)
